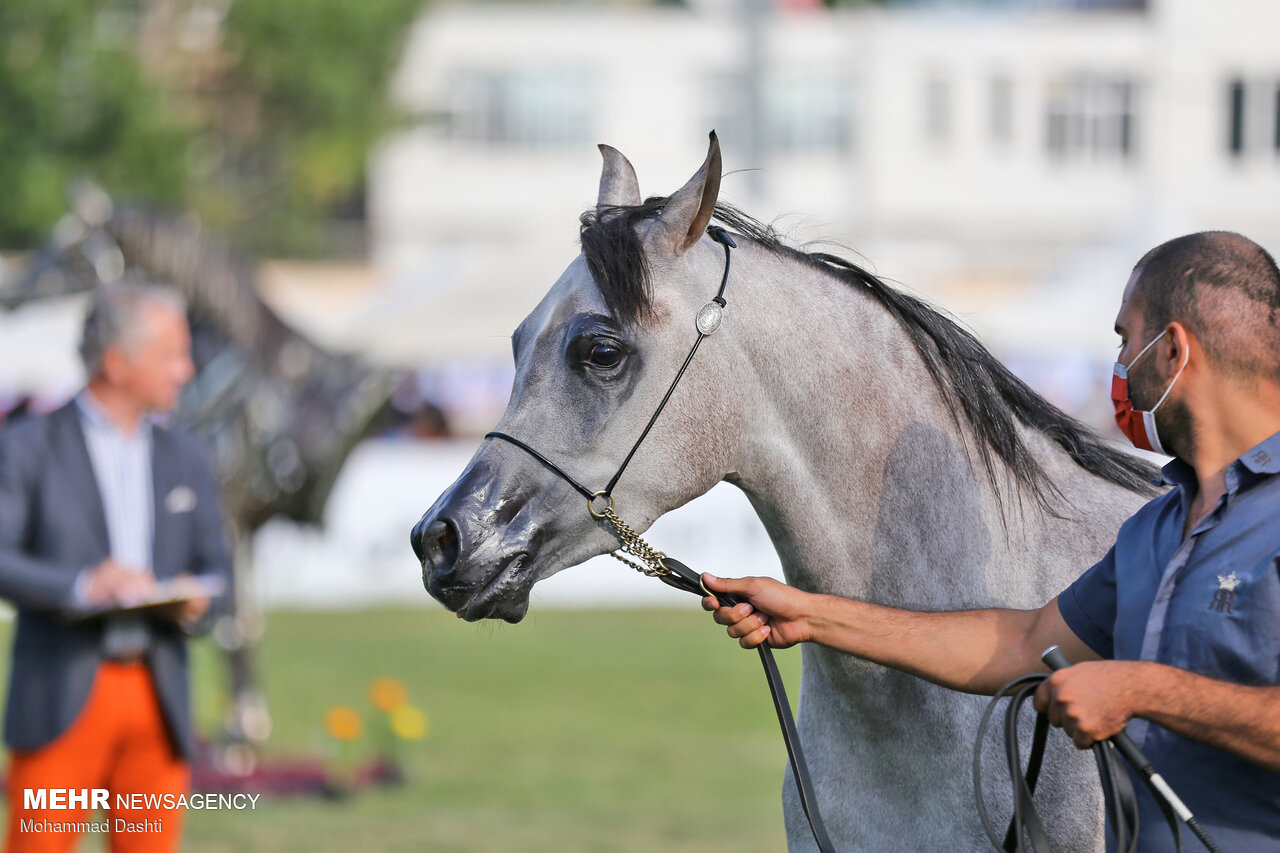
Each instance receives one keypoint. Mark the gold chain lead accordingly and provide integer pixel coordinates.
(647, 560)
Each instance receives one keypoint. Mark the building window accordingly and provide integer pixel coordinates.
(1001, 115)
(1092, 118)
(1253, 116)
(1275, 136)
(937, 110)
(1235, 121)
(801, 112)
(807, 112)
(531, 109)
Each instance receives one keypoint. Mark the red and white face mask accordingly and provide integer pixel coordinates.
(1139, 426)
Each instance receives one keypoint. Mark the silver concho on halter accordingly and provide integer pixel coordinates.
(709, 317)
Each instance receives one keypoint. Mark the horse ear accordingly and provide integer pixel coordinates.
(688, 213)
(618, 184)
(89, 201)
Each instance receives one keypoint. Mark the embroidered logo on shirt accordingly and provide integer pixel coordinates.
(1262, 457)
(1226, 594)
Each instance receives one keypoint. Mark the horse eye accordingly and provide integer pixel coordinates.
(605, 355)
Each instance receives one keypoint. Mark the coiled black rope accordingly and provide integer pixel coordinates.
(1026, 833)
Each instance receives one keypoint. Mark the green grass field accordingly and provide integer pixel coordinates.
(573, 731)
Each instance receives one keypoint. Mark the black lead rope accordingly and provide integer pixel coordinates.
(1026, 833)
(677, 574)
(685, 578)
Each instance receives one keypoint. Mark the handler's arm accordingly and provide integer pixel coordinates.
(976, 651)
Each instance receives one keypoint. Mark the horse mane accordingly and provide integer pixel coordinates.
(241, 348)
(219, 284)
(976, 387)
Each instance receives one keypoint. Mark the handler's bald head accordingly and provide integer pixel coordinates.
(1225, 289)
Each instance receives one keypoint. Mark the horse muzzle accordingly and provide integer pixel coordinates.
(468, 574)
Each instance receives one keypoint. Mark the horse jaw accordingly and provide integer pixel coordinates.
(507, 522)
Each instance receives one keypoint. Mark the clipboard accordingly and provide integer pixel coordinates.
(166, 592)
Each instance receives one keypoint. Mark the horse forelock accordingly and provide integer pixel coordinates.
(979, 391)
(616, 256)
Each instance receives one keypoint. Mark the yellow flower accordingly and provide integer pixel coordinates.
(387, 694)
(343, 723)
(409, 723)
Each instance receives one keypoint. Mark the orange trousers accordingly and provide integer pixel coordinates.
(119, 742)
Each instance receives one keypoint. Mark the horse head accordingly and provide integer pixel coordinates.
(80, 254)
(593, 362)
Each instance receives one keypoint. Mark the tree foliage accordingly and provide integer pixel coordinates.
(72, 101)
(316, 72)
(264, 128)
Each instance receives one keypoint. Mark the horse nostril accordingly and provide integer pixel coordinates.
(436, 545)
(447, 541)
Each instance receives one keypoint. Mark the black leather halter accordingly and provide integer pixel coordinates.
(680, 576)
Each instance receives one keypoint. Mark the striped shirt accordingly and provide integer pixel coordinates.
(122, 466)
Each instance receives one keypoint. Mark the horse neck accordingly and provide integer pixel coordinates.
(221, 291)
(866, 483)
(219, 286)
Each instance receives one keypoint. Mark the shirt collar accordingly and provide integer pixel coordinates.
(1263, 457)
(94, 415)
(1177, 473)
(1261, 460)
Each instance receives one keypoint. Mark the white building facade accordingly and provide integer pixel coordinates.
(976, 152)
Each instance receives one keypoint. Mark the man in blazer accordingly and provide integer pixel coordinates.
(99, 504)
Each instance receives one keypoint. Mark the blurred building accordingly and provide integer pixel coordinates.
(1000, 156)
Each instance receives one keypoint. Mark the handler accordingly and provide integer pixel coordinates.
(1178, 625)
(96, 503)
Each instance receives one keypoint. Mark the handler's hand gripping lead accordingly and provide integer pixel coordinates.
(1055, 659)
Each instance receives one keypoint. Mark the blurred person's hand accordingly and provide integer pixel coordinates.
(188, 612)
(113, 585)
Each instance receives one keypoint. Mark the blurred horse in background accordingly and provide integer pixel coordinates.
(277, 414)
(889, 455)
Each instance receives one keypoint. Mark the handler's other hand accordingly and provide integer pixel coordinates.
(770, 611)
(1091, 701)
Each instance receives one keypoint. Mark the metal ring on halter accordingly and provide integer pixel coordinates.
(591, 504)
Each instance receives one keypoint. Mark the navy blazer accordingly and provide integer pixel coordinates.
(52, 526)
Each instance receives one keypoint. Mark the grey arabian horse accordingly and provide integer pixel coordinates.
(888, 454)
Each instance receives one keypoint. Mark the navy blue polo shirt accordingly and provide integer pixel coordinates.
(1211, 605)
